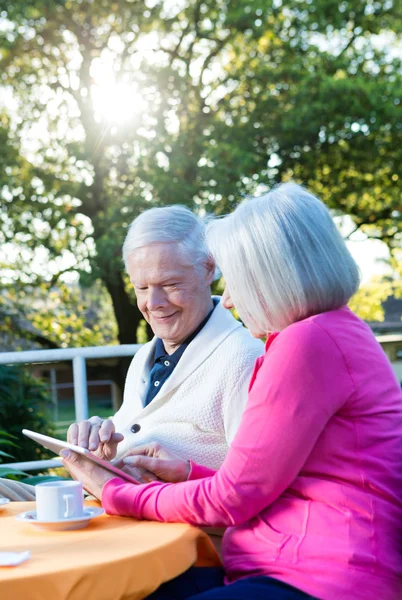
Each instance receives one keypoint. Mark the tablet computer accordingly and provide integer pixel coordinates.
(56, 445)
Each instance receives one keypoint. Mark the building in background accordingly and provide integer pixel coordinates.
(389, 333)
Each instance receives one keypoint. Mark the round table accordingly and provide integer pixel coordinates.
(113, 558)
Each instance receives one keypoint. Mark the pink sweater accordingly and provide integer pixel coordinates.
(311, 488)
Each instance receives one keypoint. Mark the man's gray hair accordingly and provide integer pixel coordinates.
(174, 224)
(283, 258)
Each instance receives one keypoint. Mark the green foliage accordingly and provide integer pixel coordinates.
(70, 315)
(73, 316)
(8, 440)
(23, 404)
(227, 97)
(367, 302)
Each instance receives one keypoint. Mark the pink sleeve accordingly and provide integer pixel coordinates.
(292, 396)
(198, 471)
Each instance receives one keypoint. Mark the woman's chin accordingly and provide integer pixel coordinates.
(258, 334)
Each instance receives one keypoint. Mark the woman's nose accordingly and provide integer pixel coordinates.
(226, 299)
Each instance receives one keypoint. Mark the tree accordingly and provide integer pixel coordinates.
(114, 107)
(367, 302)
(24, 403)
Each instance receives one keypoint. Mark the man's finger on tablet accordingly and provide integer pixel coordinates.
(84, 427)
(116, 438)
(72, 434)
(106, 431)
(94, 439)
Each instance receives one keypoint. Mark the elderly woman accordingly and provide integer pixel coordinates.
(311, 487)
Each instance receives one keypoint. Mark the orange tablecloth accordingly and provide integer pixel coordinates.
(113, 558)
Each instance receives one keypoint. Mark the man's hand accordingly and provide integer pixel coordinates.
(154, 459)
(96, 434)
(92, 476)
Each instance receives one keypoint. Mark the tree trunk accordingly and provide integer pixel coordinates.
(128, 318)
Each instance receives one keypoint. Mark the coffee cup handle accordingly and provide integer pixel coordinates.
(69, 500)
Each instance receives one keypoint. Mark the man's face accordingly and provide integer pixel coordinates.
(173, 297)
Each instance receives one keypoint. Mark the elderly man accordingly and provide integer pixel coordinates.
(186, 389)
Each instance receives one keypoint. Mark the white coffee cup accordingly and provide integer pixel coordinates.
(58, 500)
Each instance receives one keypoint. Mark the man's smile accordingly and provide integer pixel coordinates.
(163, 318)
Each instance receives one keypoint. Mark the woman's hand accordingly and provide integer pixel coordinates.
(92, 476)
(163, 464)
(139, 474)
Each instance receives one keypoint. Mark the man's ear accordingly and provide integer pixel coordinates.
(210, 269)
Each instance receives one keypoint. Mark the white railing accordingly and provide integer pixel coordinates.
(78, 356)
(55, 387)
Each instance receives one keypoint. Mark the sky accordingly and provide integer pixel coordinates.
(369, 255)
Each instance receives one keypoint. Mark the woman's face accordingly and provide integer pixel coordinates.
(226, 299)
(227, 302)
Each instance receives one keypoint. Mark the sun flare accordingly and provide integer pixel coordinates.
(117, 103)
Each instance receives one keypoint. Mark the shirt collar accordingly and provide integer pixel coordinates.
(270, 339)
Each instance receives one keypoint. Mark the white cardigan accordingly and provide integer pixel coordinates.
(196, 412)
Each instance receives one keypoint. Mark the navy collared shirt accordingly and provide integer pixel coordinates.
(165, 364)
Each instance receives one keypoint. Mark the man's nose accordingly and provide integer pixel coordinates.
(156, 298)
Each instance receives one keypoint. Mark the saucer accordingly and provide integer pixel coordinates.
(3, 502)
(64, 524)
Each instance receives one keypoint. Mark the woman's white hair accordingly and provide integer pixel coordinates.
(283, 258)
(174, 224)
